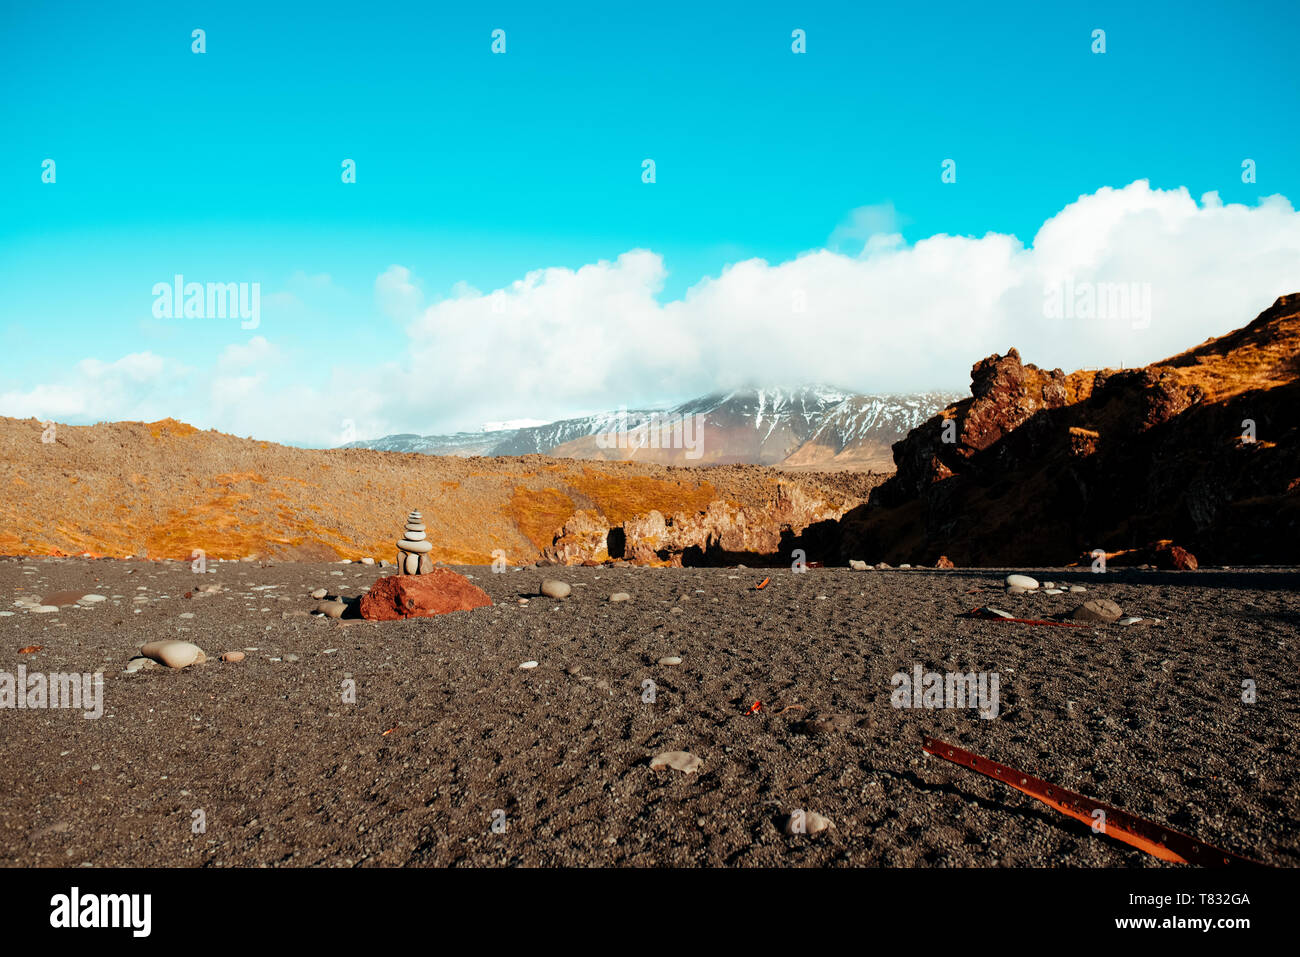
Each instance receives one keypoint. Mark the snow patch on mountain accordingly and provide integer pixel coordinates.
(774, 423)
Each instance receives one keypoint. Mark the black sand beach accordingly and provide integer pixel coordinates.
(447, 729)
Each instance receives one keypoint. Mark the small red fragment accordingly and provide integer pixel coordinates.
(761, 584)
(756, 707)
(30, 649)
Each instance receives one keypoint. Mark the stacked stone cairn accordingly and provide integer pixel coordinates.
(413, 550)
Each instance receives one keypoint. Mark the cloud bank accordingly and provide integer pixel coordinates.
(870, 312)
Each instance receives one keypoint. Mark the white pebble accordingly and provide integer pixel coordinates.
(682, 761)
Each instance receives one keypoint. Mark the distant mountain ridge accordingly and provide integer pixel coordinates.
(808, 427)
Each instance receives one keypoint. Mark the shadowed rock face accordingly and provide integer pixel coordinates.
(1041, 466)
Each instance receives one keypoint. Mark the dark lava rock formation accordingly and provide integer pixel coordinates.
(1041, 467)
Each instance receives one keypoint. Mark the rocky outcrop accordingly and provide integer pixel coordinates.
(1165, 555)
(584, 539)
(1201, 449)
(723, 532)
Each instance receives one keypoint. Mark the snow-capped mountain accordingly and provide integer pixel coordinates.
(811, 427)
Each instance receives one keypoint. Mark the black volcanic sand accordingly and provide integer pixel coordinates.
(286, 774)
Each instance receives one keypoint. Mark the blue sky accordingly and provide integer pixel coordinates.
(477, 168)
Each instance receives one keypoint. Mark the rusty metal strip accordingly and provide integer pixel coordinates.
(1162, 842)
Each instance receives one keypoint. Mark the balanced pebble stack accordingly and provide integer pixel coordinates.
(413, 550)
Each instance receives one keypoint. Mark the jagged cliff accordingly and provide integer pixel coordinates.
(1041, 467)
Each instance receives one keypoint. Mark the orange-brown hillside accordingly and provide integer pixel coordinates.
(165, 489)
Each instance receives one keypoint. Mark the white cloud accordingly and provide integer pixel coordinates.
(139, 386)
(397, 296)
(891, 317)
(894, 318)
(864, 224)
(240, 355)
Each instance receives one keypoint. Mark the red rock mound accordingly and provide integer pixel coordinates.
(421, 596)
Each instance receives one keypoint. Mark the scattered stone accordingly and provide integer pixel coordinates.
(670, 660)
(93, 599)
(140, 664)
(1098, 609)
(291, 658)
(1022, 581)
(883, 565)
(332, 609)
(807, 822)
(1017, 590)
(988, 610)
(367, 561)
(233, 656)
(528, 664)
(421, 596)
(682, 761)
(1048, 585)
(1163, 554)
(1077, 588)
(1130, 620)
(43, 609)
(62, 598)
(1176, 557)
(620, 596)
(905, 565)
(319, 593)
(555, 589)
(174, 654)
(1053, 591)
(858, 566)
